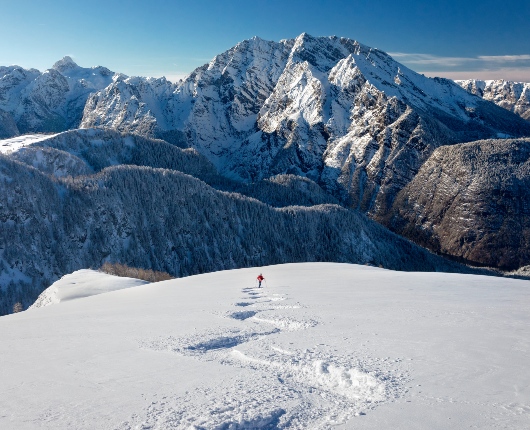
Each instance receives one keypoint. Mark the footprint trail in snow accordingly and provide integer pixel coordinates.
(280, 386)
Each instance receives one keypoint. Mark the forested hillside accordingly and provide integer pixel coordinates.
(162, 219)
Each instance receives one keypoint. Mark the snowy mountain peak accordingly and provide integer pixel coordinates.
(512, 96)
(321, 52)
(66, 63)
(49, 101)
(321, 107)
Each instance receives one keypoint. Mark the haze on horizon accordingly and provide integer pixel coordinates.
(482, 40)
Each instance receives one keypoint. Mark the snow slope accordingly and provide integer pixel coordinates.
(83, 283)
(15, 143)
(322, 345)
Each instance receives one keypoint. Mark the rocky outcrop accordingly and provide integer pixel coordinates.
(135, 105)
(471, 201)
(512, 96)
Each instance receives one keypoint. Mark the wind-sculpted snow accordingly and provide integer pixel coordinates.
(54, 222)
(13, 144)
(471, 201)
(512, 96)
(81, 284)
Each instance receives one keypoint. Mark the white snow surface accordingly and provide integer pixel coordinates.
(322, 345)
(83, 283)
(15, 143)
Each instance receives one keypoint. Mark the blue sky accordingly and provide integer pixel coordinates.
(457, 39)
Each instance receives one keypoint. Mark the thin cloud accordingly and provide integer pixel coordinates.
(176, 77)
(504, 58)
(508, 74)
(428, 59)
(508, 67)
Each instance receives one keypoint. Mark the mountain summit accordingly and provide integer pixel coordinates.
(64, 64)
(341, 113)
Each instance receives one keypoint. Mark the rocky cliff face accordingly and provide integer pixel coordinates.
(471, 201)
(512, 96)
(331, 109)
(213, 110)
(134, 105)
(47, 102)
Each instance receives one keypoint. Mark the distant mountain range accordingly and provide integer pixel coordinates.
(305, 121)
(51, 101)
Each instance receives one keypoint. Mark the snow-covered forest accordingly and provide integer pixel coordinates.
(62, 213)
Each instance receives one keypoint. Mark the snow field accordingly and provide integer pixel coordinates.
(374, 349)
(326, 389)
(15, 143)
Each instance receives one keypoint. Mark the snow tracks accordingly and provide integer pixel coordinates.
(272, 382)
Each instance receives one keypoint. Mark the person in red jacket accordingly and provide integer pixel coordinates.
(260, 278)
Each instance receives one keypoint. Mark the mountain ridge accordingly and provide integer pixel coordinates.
(470, 201)
(49, 101)
(345, 115)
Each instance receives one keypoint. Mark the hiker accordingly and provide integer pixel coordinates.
(260, 278)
